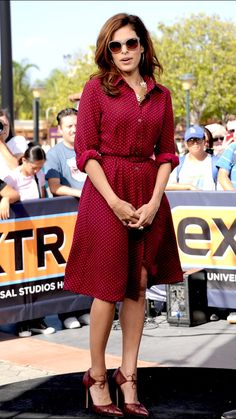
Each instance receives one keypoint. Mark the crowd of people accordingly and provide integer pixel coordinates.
(206, 158)
(124, 231)
(207, 161)
(25, 173)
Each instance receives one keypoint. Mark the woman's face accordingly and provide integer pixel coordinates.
(128, 56)
(30, 169)
(6, 128)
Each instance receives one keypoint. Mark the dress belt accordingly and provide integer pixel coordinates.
(135, 159)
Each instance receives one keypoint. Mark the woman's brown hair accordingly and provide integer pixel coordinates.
(107, 71)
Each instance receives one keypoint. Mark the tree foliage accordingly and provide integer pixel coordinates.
(63, 83)
(202, 45)
(22, 89)
(206, 47)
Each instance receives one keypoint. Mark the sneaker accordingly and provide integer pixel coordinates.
(39, 326)
(24, 330)
(84, 319)
(71, 323)
(231, 317)
(214, 318)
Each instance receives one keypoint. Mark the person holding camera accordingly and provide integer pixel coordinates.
(11, 147)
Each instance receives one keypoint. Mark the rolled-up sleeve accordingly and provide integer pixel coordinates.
(165, 148)
(87, 131)
(167, 158)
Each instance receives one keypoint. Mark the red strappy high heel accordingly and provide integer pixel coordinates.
(107, 410)
(135, 409)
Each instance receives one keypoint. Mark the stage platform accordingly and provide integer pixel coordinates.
(184, 372)
(168, 393)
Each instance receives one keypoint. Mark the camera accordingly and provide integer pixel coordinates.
(1, 127)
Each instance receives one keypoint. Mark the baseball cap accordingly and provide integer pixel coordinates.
(194, 132)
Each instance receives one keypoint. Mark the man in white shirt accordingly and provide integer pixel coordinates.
(65, 179)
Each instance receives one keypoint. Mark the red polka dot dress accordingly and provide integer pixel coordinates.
(123, 135)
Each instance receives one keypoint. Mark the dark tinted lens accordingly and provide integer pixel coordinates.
(218, 138)
(115, 46)
(195, 140)
(132, 43)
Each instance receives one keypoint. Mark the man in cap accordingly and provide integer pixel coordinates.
(196, 170)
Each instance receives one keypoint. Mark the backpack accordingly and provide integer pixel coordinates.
(213, 164)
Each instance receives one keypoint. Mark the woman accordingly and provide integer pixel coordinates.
(124, 231)
(28, 178)
(8, 196)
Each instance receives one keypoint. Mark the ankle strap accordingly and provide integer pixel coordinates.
(101, 383)
(132, 379)
(121, 379)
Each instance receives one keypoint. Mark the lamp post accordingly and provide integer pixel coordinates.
(187, 83)
(49, 120)
(6, 58)
(36, 106)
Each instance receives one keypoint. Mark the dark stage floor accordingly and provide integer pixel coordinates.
(168, 393)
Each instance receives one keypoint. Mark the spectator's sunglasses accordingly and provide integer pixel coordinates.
(191, 141)
(116, 46)
(218, 138)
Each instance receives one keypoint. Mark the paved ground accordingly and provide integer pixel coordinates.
(210, 345)
(194, 381)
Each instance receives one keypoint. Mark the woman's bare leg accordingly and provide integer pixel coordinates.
(132, 320)
(101, 318)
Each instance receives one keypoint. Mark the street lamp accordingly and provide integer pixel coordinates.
(187, 83)
(36, 91)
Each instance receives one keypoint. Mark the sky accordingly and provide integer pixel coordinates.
(45, 32)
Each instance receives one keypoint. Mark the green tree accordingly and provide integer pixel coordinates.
(206, 47)
(22, 89)
(61, 84)
(202, 45)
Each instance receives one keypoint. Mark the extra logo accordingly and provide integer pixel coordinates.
(206, 236)
(35, 248)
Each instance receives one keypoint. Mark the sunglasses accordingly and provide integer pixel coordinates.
(195, 140)
(218, 138)
(231, 130)
(116, 46)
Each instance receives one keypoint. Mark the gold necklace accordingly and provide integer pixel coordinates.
(141, 95)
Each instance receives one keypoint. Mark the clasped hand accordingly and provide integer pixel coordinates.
(132, 217)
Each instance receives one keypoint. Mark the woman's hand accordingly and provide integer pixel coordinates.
(4, 208)
(125, 212)
(145, 214)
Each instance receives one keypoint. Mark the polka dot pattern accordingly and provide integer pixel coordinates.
(106, 258)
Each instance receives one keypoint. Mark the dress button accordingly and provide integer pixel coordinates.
(139, 120)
